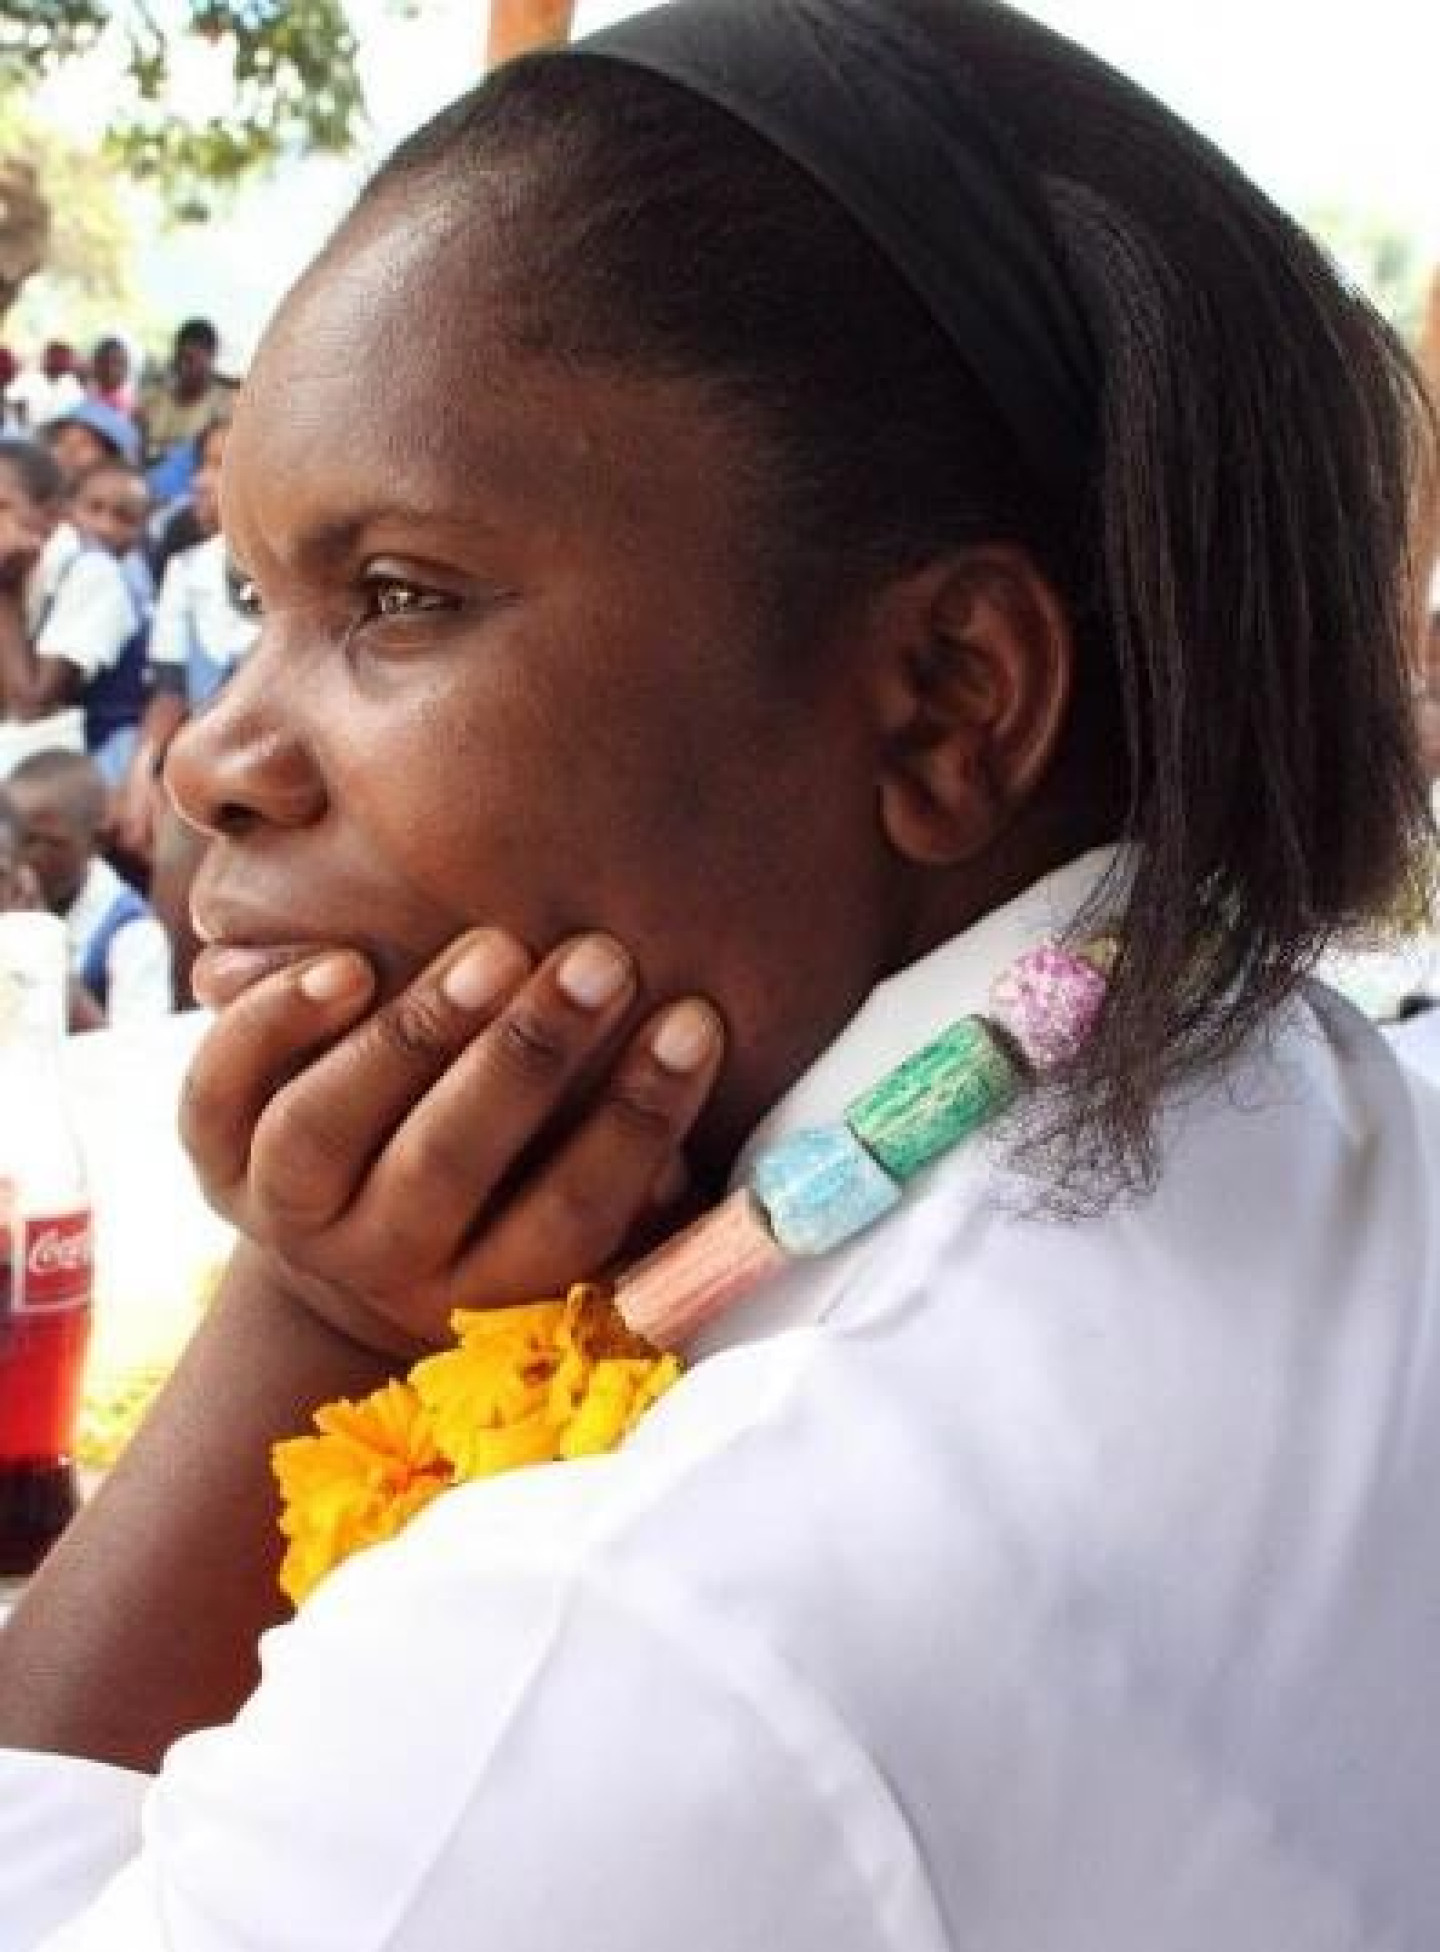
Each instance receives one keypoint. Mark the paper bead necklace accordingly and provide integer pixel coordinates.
(818, 1188)
(559, 1379)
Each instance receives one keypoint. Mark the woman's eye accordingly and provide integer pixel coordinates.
(390, 597)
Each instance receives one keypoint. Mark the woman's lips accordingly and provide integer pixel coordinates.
(223, 970)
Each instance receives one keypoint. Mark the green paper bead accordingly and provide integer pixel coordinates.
(941, 1095)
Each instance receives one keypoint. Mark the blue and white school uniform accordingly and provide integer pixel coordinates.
(198, 636)
(119, 949)
(79, 607)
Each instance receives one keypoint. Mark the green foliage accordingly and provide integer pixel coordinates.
(35, 35)
(90, 240)
(294, 86)
(87, 276)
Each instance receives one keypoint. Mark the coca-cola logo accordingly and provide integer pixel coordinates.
(55, 1269)
(62, 1248)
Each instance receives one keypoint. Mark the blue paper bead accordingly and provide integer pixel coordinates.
(819, 1187)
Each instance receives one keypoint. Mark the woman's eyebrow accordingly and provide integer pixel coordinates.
(334, 538)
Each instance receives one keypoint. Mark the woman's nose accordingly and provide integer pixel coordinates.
(239, 765)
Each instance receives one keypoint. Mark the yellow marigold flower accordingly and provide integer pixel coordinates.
(374, 1464)
(487, 1401)
(618, 1394)
(524, 1385)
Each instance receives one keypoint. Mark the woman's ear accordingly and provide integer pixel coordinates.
(973, 679)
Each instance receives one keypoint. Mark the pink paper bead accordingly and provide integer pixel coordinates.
(689, 1280)
(1047, 1003)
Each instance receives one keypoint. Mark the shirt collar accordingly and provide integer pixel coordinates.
(921, 1000)
(898, 1017)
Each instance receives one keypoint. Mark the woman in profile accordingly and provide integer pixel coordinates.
(860, 656)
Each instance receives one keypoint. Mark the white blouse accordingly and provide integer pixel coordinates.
(998, 1584)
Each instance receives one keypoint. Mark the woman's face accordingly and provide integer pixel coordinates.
(517, 668)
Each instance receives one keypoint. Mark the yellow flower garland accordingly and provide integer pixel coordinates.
(524, 1385)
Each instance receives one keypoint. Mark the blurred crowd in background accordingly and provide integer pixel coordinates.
(118, 619)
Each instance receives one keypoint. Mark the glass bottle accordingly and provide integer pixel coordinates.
(45, 1246)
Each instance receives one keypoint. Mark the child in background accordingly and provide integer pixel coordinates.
(88, 433)
(109, 506)
(119, 953)
(108, 510)
(67, 619)
(198, 636)
(110, 376)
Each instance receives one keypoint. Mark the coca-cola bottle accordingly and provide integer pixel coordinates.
(45, 1261)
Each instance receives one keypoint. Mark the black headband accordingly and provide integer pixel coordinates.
(861, 96)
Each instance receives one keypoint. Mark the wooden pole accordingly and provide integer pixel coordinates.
(516, 26)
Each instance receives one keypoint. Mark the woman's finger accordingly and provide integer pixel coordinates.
(250, 1051)
(576, 1211)
(317, 1135)
(459, 1073)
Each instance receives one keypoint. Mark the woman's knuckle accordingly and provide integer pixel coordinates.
(424, 1164)
(641, 1112)
(296, 1156)
(416, 1026)
(528, 1045)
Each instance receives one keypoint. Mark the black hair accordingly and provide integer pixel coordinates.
(35, 468)
(1238, 568)
(78, 778)
(110, 344)
(198, 332)
(10, 821)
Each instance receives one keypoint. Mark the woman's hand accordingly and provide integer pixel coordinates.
(484, 1137)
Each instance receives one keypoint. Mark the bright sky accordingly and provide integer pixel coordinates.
(1326, 102)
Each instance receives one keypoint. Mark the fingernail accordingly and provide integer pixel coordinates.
(594, 972)
(685, 1038)
(334, 977)
(483, 971)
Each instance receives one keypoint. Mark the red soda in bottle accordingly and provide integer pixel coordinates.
(45, 1247)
